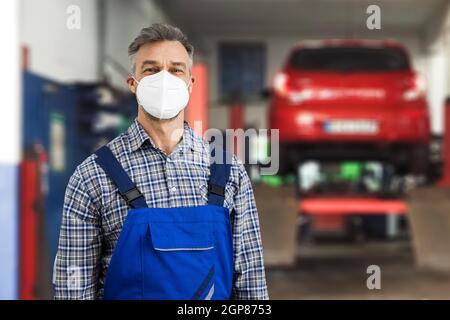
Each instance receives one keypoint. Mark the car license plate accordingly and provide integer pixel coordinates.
(351, 127)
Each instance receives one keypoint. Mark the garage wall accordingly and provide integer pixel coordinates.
(277, 51)
(437, 61)
(10, 155)
(436, 38)
(79, 55)
(124, 20)
(446, 43)
(55, 51)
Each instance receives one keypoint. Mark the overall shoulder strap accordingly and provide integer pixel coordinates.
(112, 167)
(219, 174)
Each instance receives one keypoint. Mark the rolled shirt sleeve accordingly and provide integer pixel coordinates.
(76, 267)
(249, 279)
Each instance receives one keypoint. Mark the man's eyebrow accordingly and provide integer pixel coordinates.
(151, 62)
(178, 63)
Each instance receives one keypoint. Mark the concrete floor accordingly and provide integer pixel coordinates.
(338, 271)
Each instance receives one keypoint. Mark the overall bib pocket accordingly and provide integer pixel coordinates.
(178, 260)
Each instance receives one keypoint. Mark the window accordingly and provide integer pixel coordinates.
(241, 70)
(350, 59)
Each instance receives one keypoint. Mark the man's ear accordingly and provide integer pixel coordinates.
(131, 84)
(192, 83)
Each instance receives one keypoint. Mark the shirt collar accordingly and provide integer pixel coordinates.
(137, 136)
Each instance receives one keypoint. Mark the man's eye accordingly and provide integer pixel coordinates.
(153, 70)
(177, 71)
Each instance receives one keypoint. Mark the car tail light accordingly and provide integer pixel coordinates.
(415, 89)
(284, 87)
(280, 84)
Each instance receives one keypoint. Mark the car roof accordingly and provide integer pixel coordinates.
(339, 43)
(336, 43)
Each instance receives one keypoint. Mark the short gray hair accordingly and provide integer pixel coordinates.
(160, 32)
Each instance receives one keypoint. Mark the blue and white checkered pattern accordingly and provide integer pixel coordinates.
(94, 212)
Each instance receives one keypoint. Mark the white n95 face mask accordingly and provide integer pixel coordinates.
(162, 94)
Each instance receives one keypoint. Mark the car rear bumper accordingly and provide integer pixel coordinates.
(300, 124)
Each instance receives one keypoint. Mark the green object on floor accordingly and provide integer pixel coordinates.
(276, 181)
(351, 170)
(272, 181)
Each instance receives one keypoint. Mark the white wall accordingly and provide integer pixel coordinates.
(437, 43)
(445, 32)
(437, 85)
(124, 20)
(10, 146)
(73, 55)
(55, 51)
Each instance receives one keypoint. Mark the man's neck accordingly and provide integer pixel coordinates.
(166, 134)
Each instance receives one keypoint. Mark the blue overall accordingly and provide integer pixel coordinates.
(170, 253)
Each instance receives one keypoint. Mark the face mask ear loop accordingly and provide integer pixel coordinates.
(134, 78)
(139, 103)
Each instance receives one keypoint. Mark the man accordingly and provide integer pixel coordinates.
(150, 215)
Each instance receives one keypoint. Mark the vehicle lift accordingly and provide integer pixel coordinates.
(330, 212)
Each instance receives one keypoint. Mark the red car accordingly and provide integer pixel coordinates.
(351, 100)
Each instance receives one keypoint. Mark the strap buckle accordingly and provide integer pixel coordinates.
(215, 189)
(131, 195)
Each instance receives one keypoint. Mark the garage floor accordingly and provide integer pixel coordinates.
(338, 271)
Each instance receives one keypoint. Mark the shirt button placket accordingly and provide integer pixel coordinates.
(171, 181)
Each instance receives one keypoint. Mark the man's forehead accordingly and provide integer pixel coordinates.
(163, 50)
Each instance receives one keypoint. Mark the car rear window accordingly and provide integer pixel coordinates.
(349, 59)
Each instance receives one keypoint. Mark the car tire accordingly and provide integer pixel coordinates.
(420, 155)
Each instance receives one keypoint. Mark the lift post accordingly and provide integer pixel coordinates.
(445, 181)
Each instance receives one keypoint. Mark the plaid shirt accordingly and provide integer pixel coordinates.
(94, 212)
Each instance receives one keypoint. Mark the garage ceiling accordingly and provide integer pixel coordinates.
(309, 17)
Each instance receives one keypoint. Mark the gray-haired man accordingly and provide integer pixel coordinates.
(148, 216)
